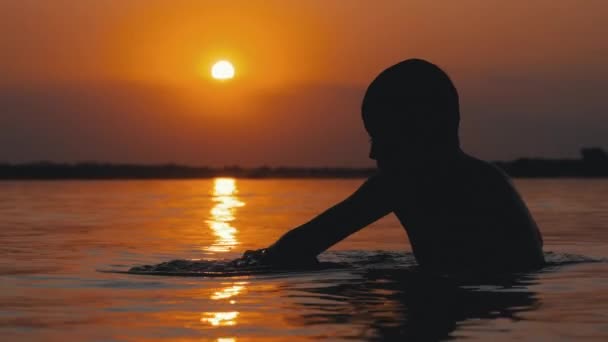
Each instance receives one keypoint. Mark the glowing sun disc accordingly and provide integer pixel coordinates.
(222, 70)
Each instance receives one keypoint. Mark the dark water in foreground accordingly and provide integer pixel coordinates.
(55, 235)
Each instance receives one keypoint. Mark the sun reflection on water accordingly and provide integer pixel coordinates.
(228, 292)
(224, 318)
(222, 214)
(219, 319)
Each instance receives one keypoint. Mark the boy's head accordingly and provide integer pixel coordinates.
(411, 112)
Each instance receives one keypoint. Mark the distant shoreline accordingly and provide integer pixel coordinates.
(593, 164)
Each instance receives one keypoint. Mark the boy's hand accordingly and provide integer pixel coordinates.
(266, 257)
(253, 258)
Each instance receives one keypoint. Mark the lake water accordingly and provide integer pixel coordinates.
(54, 236)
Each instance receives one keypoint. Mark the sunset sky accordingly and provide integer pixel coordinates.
(129, 80)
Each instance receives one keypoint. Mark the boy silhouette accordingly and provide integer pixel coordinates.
(460, 213)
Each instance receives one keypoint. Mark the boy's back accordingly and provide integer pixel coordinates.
(464, 214)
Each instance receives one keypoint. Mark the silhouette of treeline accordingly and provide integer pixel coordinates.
(594, 163)
(92, 170)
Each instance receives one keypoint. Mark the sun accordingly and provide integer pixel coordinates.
(222, 70)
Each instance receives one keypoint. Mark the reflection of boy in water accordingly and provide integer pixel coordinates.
(459, 212)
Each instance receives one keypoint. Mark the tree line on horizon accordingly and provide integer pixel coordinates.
(593, 163)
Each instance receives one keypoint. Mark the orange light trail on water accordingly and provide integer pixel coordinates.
(222, 214)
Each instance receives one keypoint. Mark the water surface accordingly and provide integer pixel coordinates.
(55, 235)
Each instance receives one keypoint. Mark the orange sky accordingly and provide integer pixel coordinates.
(128, 80)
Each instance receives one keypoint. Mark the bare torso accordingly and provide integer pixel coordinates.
(460, 215)
(468, 215)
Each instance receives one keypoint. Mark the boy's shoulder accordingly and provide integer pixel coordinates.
(485, 172)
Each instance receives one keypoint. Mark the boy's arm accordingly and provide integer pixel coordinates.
(370, 202)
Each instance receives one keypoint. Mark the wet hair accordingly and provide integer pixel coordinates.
(413, 98)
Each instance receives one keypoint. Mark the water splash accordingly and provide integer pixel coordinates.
(355, 260)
